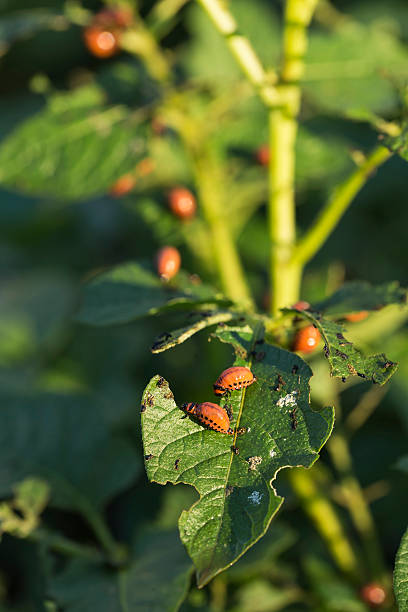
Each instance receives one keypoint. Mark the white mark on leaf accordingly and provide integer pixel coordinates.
(255, 497)
(287, 400)
(272, 452)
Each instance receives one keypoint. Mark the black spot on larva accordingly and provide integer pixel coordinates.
(143, 408)
(295, 369)
(148, 457)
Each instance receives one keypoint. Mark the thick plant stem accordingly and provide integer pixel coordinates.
(336, 207)
(357, 505)
(285, 273)
(323, 515)
(285, 277)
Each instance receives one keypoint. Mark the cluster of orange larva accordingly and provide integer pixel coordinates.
(213, 416)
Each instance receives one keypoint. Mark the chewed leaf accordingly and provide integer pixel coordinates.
(344, 359)
(358, 296)
(170, 339)
(234, 474)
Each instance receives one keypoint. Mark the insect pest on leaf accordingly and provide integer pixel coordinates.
(209, 414)
(232, 379)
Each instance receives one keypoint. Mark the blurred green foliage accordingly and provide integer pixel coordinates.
(70, 125)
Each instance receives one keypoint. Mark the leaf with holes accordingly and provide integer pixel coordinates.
(171, 339)
(132, 290)
(234, 474)
(401, 574)
(358, 296)
(345, 360)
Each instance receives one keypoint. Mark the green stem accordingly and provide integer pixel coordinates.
(285, 277)
(285, 273)
(242, 50)
(67, 547)
(209, 180)
(161, 16)
(336, 207)
(323, 515)
(357, 505)
(141, 42)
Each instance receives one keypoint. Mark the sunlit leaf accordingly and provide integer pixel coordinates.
(178, 336)
(237, 500)
(344, 359)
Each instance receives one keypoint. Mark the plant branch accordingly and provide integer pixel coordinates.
(323, 515)
(357, 506)
(336, 207)
(140, 41)
(65, 546)
(209, 180)
(285, 274)
(243, 51)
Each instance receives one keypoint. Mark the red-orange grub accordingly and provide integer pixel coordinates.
(301, 305)
(355, 317)
(102, 35)
(236, 377)
(182, 202)
(168, 261)
(306, 339)
(262, 155)
(100, 42)
(373, 594)
(123, 185)
(211, 415)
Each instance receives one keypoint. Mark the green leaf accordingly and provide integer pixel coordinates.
(358, 296)
(345, 68)
(399, 144)
(130, 291)
(401, 574)
(74, 149)
(42, 433)
(156, 580)
(345, 360)
(237, 500)
(178, 336)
